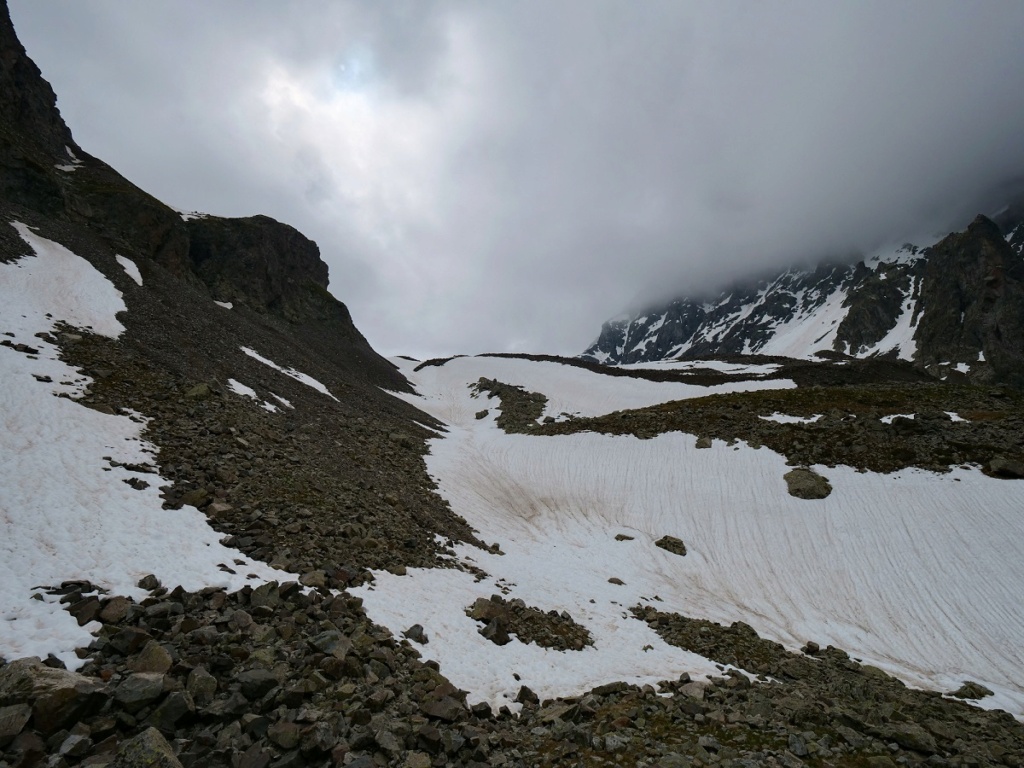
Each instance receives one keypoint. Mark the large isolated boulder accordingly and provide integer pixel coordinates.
(58, 698)
(672, 544)
(805, 483)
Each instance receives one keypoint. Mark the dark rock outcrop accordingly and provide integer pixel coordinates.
(972, 302)
(33, 137)
(262, 264)
(255, 262)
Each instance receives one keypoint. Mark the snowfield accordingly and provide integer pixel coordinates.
(915, 572)
(64, 511)
(569, 389)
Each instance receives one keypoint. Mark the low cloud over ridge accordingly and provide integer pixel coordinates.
(487, 177)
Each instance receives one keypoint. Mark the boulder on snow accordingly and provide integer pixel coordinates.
(971, 690)
(805, 483)
(1003, 467)
(671, 544)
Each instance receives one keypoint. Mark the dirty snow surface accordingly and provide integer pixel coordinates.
(66, 510)
(914, 572)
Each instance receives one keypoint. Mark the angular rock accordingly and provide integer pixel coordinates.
(76, 745)
(332, 643)
(804, 483)
(58, 697)
(139, 690)
(285, 735)
(147, 750)
(153, 658)
(313, 579)
(199, 392)
(527, 696)
(196, 497)
(149, 582)
(12, 721)
(486, 610)
(115, 609)
(971, 690)
(218, 509)
(266, 595)
(388, 742)
(129, 640)
(671, 544)
(319, 739)
(417, 760)
(910, 736)
(255, 757)
(257, 683)
(1004, 467)
(416, 634)
(201, 686)
(172, 710)
(446, 708)
(497, 632)
(86, 610)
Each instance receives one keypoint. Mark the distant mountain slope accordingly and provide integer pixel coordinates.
(955, 306)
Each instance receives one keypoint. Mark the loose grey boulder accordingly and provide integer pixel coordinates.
(152, 658)
(446, 708)
(257, 683)
(672, 544)
(805, 483)
(149, 582)
(58, 698)
(201, 686)
(313, 579)
(139, 689)
(12, 721)
(1004, 467)
(147, 750)
(416, 634)
(971, 690)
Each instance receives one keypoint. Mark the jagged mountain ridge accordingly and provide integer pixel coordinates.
(955, 306)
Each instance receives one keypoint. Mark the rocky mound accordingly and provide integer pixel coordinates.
(867, 427)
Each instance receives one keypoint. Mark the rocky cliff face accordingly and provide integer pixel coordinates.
(955, 308)
(256, 263)
(972, 302)
(261, 264)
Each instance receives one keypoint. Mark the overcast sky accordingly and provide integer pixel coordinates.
(486, 176)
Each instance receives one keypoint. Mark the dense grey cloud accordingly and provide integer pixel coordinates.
(497, 176)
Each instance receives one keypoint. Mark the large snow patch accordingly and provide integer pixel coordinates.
(64, 512)
(915, 572)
